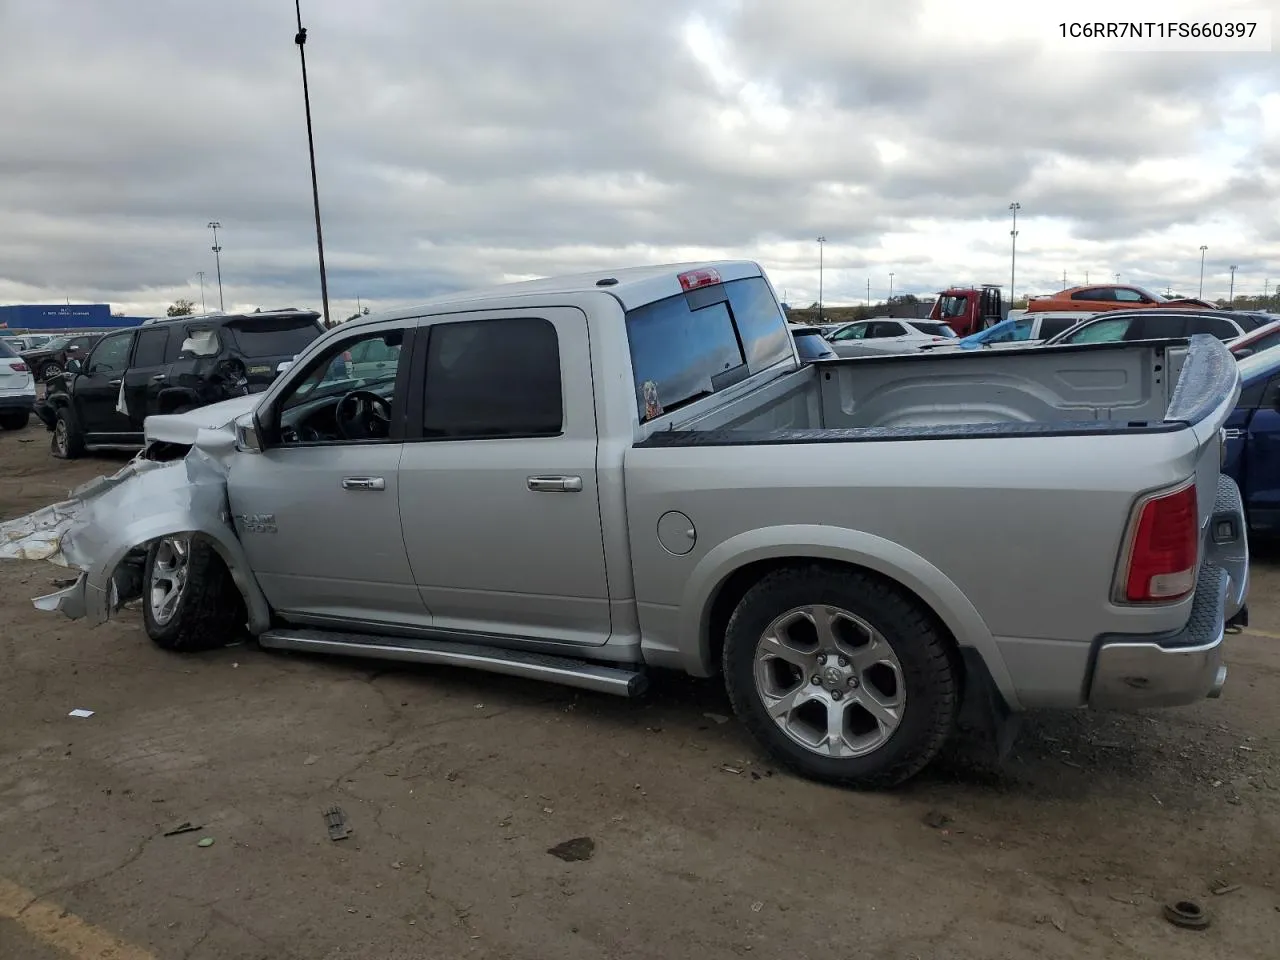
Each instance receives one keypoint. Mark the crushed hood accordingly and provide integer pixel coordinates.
(183, 427)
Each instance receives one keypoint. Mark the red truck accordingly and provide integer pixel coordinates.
(968, 310)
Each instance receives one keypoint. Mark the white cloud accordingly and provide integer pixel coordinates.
(464, 144)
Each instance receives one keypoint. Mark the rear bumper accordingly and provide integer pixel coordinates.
(1132, 672)
(17, 401)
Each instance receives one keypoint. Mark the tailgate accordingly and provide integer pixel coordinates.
(1206, 392)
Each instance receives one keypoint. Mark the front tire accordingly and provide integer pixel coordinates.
(189, 601)
(842, 675)
(67, 442)
(50, 370)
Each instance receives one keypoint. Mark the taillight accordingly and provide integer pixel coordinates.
(1164, 549)
(698, 278)
(18, 367)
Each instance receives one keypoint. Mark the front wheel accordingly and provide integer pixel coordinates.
(190, 601)
(67, 442)
(50, 370)
(843, 676)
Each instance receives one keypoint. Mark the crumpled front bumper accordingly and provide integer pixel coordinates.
(101, 531)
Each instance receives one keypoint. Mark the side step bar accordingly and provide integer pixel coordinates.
(619, 681)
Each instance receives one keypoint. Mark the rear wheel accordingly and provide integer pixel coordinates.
(189, 600)
(841, 675)
(14, 419)
(67, 442)
(50, 370)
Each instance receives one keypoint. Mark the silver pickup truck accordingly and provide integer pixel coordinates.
(585, 478)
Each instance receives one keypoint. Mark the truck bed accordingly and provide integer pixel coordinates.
(1095, 388)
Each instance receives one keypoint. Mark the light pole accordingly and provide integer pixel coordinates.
(200, 274)
(217, 256)
(1117, 276)
(300, 38)
(1203, 248)
(821, 243)
(868, 291)
(1231, 297)
(1013, 250)
(889, 302)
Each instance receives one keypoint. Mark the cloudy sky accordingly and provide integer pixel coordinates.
(463, 143)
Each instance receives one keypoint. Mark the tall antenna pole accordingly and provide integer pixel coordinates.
(822, 241)
(1013, 251)
(217, 256)
(300, 38)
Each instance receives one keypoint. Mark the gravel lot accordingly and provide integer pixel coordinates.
(456, 784)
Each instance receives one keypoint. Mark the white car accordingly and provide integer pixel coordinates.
(17, 390)
(882, 335)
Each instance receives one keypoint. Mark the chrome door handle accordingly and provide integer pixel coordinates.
(555, 484)
(363, 483)
(158, 377)
(1233, 433)
(113, 383)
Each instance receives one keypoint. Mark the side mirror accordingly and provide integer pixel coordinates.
(283, 365)
(248, 434)
(73, 366)
(74, 348)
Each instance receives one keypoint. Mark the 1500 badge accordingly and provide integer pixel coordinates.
(257, 522)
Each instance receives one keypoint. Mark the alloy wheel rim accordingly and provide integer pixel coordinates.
(830, 681)
(168, 578)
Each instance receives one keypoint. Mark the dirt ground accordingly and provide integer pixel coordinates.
(456, 784)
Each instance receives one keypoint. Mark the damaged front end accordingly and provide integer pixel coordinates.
(103, 531)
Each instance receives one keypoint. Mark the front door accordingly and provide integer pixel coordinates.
(498, 484)
(318, 511)
(97, 390)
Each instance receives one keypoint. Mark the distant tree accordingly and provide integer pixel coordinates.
(182, 308)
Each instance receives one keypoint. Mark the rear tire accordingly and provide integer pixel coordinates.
(842, 675)
(14, 419)
(67, 442)
(49, 370)
(189, 601)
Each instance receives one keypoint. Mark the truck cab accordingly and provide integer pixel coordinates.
(968, 310)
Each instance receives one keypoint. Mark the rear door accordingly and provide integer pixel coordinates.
(498, 481)
(148, 374)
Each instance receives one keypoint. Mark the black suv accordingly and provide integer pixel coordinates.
(168, 365)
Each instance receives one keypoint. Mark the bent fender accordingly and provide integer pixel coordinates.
(110, 518)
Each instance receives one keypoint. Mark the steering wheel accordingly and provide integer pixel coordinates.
(363, 415)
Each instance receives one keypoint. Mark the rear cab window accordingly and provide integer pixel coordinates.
(272, 336)
(697, 343)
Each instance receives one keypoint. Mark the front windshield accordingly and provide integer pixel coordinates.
(953, 307)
